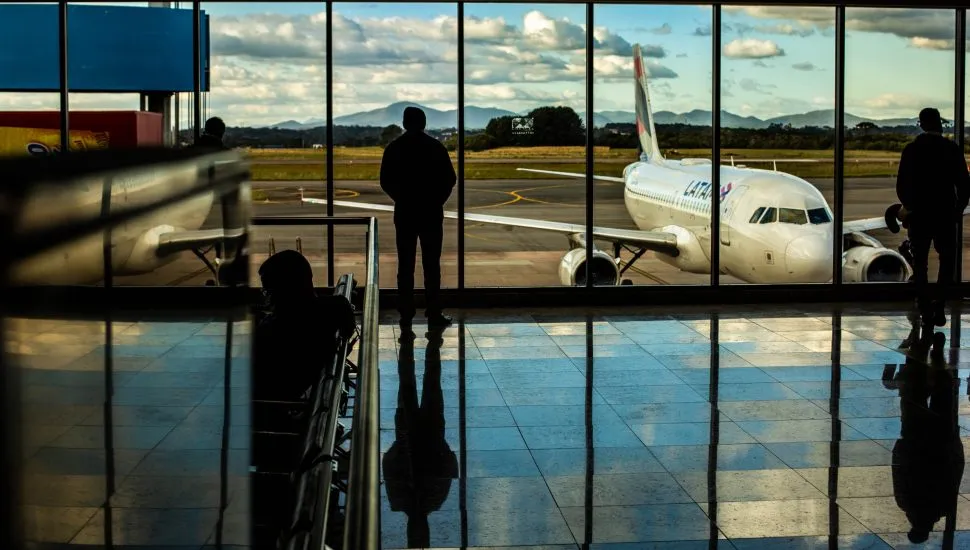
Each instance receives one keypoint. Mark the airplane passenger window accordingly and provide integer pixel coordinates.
(757, 215)
(771, 216)
(818, 216)
(791, 215)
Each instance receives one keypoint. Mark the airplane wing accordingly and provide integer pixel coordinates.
(177, 241)
(651, 240)
(572, 175)
(871, 224)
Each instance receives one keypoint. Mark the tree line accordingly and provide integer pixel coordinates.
(562, 126)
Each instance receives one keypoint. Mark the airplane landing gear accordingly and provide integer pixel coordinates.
(637, 254)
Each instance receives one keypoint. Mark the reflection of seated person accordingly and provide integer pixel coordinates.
(419, 466)
(296, 337)
(928, 458)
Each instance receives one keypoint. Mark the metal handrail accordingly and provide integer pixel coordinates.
(319, 445)
(363, 523)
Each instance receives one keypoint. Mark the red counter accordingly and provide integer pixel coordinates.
(125, 128)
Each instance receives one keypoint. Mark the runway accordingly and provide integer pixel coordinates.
(495, 256)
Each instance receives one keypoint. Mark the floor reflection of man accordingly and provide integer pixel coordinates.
(928, 458)
(419, 466)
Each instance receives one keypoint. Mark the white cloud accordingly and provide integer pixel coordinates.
(752, 48)
(702, 31)
(931, 43)
(922, 28)
(805, 66)
(662, 29)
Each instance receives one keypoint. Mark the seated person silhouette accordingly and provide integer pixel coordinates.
(928, 458)
(419, 466)
(296, 336)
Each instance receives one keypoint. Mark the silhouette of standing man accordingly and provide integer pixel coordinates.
(933, 185)
(417, 174)
(212, 134)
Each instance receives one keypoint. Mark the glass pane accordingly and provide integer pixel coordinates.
(791, 215)
(268, 70)
(819, 216)
(387, 57)
(665, 191)
(893, 70)
(771, 216)
(777, 119)
(524, 109)
(757, 215)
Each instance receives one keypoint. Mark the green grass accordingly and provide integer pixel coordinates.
(297, 172)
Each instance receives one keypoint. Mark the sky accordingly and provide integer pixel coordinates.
(268, 59)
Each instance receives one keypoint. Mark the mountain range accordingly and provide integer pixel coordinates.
(478, 117)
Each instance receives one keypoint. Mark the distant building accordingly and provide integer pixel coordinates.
(318, 146)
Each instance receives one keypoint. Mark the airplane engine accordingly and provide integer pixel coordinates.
(572, 268)
(874, 264)
(143, 257)
(692, 256)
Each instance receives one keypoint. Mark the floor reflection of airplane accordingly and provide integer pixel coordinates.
(137, 246)
(775, 227)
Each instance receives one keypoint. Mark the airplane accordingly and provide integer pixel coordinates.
(775, 227)
(138, 246)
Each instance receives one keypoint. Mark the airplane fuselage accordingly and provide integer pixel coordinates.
(774, 227)
(133, 244)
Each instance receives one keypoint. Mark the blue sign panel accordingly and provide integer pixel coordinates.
(110, 49)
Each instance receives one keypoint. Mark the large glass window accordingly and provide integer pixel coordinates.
(897, 63)
(268, 85)
(663, 191)
(525, 74)
(777, 120)
(387, 57)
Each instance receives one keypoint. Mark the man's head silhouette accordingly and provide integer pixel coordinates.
(414, 119)
(286, 277)
(215, 127)
(930, 120)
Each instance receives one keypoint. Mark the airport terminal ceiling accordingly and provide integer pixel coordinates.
(311, 92)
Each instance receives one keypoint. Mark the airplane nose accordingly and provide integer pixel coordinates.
(809, 259)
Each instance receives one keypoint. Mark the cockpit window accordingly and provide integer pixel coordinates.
(818, 216)
(791, 215)
(757, 215)
(771, 216)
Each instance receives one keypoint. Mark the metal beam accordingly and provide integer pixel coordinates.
(330, 190)
(716, 147)
(460, 145)
(197, 69)
(839, 144)
(589, 144)
(959, 113)
(62, 59)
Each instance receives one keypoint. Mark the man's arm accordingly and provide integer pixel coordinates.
(448, 176)
(390, 172)
(905, 180)
(962, 179)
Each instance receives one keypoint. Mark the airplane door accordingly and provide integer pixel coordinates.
(727, 213)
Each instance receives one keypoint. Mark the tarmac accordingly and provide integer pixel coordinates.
(495, 256)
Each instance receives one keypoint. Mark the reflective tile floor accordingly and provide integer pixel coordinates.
(146, 466)
(683, 429)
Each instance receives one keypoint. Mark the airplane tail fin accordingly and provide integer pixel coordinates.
(646, 131)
